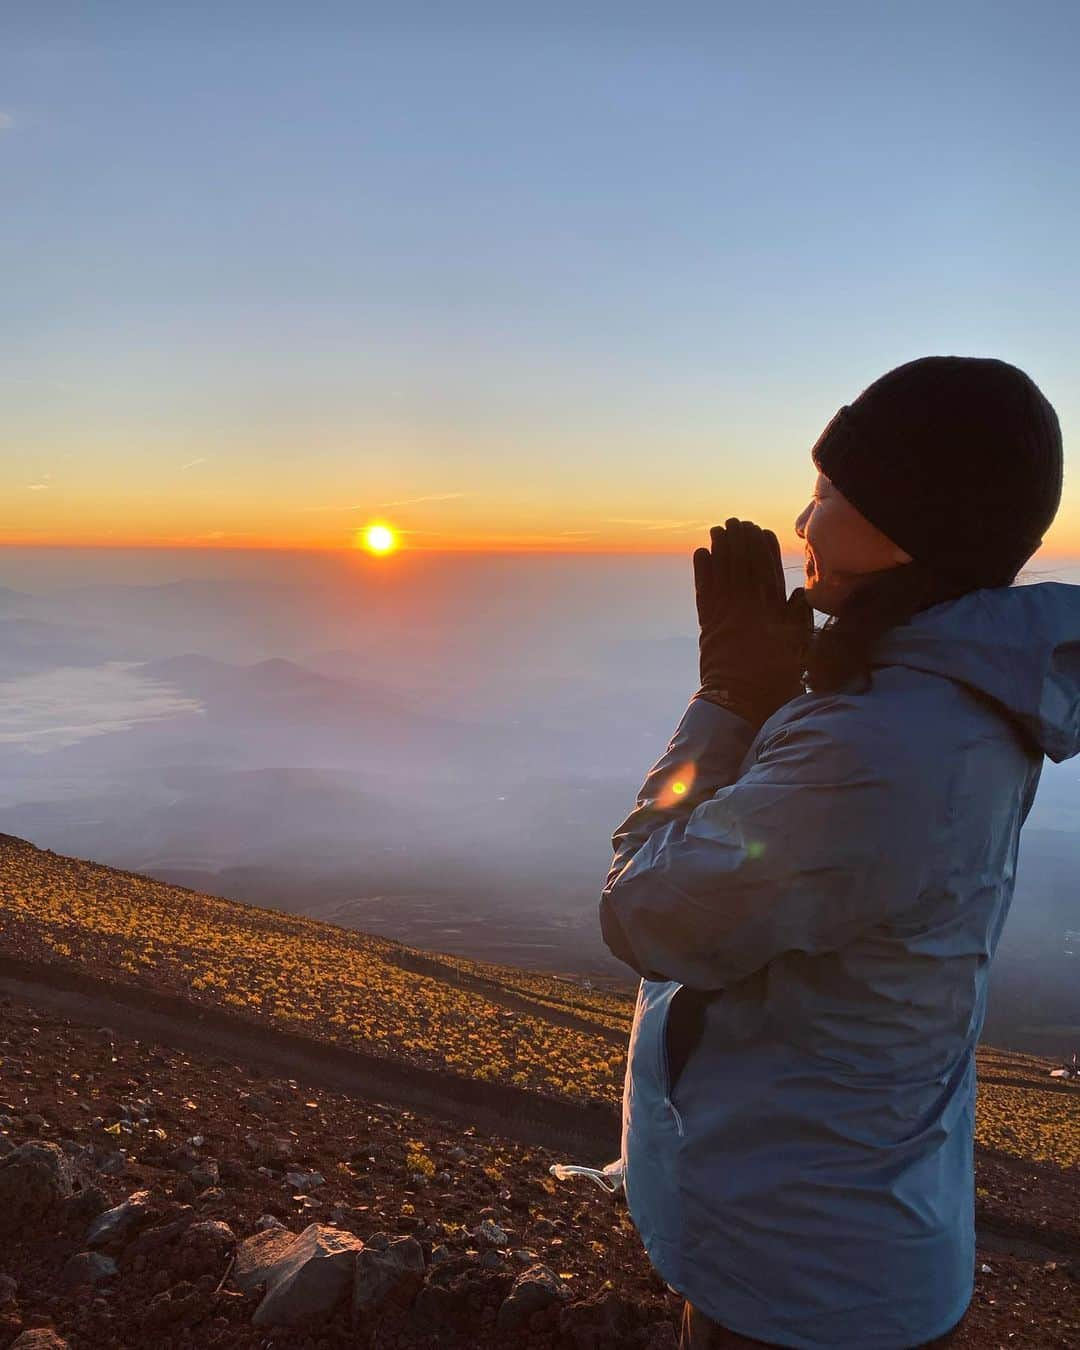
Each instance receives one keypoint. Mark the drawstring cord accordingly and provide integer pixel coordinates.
(609, 1178)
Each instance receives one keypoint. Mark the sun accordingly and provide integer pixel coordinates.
(379, 538)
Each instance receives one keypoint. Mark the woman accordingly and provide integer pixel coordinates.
(812, 884)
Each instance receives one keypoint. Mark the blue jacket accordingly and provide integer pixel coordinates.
(838, 881)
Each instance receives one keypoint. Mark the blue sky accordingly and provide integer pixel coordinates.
(596, 276)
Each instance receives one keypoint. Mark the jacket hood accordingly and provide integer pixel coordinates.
(1019, 645)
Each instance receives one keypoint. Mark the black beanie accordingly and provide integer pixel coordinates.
(958, 459)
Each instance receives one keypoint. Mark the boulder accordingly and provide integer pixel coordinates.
(307, 1282)
(85, 1204)
(600, 1322)
(386, 1278)
(204, 1249)
(455, 1295)
(257, 1255)
(35, 1178)
(534, 1290)
(151, 1241)
(39, 1338)
(181, 1306)
(88, 1268)
(121, 1221)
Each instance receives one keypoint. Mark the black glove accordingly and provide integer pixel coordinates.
(754, 640)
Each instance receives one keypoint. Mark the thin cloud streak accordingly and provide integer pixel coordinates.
(431, 497)
(398, 501)
(650, 523)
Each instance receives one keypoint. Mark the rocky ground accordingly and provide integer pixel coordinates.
(149, 1195)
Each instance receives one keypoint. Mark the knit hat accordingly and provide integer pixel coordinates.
(958, 459)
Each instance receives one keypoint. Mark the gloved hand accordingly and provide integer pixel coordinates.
(754, 639)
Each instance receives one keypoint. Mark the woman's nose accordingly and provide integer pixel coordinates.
(800, 521)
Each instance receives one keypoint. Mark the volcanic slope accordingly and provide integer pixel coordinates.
(243, 1027)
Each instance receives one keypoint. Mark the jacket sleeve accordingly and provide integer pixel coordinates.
(828, 833)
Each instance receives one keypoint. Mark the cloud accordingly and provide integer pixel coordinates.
(651, 523)
(398, 501)
(431, 497)
(6, 121)
(192, 462)
(37, 487)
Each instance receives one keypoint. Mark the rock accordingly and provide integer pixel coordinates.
(204, 1173)
(607, 1319)
(543, 1228)
(88, 1268)
(266, 1152)
(305, 1181)
(661, 1336)
(489, 1234)
(9, 1287)
(113, 1164)
(534, 1290)
(387, 1278)
(261, 1104)
(268, 1221)
(121, 1221)
(204, 1248)
(85, 1204)
(152, 1241)
(441, 1253)
(180, 1306)
(185, 1189)
(35, 1179)
(457, 1155)
(182, 1159)
(39, 1338)
(308, 1281)
(257, 1254)
(454, 1296)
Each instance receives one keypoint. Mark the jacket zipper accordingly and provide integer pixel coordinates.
(675, 1112)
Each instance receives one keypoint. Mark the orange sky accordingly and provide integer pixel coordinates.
(210, 506)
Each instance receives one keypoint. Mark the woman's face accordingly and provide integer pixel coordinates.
(841, 547)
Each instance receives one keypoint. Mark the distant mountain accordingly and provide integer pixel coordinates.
(28, 646)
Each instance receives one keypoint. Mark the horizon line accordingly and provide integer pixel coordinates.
(352, 550)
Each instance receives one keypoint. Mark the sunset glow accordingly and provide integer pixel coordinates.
(288, 344)
(379, 538)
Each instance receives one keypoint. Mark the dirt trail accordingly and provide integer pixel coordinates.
(506, 998)
(589, 1133)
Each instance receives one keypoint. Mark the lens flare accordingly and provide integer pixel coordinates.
(677, 786)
